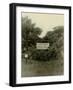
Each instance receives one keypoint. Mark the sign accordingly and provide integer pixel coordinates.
(42, 45)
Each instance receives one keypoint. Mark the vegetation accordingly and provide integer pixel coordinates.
(29, 33)
(55, 50)
(30, 36)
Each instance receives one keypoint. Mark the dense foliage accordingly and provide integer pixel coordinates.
(29, 33)
(55, 50)
(30, 36)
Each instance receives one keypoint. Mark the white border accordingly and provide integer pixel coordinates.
(24, 80)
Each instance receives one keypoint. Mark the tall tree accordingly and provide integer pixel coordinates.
(56, 40)
(30, 33)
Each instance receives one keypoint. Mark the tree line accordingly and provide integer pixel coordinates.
(30, 36)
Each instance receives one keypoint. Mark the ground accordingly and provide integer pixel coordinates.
(42, 68)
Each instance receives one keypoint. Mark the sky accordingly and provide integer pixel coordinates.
(46, 21)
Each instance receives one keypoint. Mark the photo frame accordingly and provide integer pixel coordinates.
(40, 44)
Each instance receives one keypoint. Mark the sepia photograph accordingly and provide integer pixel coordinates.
(42, 44)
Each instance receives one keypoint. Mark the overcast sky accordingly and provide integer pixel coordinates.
(45, 21)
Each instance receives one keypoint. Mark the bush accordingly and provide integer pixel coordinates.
(43, 55)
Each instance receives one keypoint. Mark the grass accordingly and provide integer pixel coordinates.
(42, 68)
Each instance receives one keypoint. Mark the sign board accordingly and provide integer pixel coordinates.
(42, 45)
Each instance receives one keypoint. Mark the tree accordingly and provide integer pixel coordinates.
(56, 40)
(30, 33)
